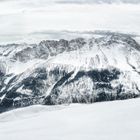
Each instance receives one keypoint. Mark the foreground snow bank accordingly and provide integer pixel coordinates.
(99, 121)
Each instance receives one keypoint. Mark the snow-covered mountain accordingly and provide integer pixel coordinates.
(82, 70)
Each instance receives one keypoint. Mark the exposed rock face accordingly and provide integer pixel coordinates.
(76, 71)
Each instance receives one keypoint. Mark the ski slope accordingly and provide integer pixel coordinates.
(118, 120)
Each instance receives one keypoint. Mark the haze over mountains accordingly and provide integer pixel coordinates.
(21, 19)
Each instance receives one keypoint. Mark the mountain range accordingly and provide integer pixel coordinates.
(82, 70)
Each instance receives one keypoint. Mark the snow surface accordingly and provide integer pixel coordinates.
(117, 120)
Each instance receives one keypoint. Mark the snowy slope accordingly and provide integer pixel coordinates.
(100, 121)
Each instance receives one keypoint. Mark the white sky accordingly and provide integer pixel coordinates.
(21, 17)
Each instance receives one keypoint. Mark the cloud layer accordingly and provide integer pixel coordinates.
(18, 18)
(99, 1)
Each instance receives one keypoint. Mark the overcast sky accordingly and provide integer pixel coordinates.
(19, 18)
(100, 1)
(78, 1)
